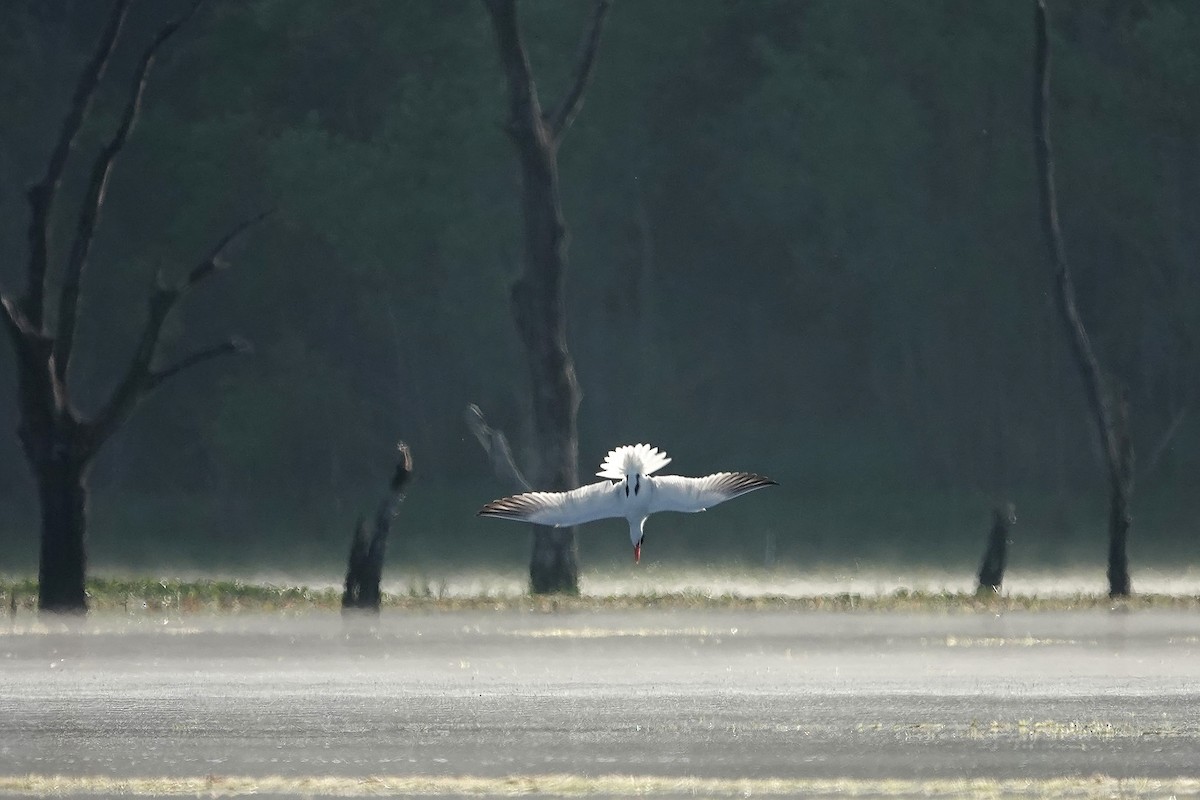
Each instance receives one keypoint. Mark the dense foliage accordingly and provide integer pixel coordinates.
(804, 242)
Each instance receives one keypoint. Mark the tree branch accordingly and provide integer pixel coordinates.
(1085, 356)
(136, 382)
(522, 93)
(140, 379)
(562, 116)
(1164, 441)
(215, 260)
(27, 340)
(228, 347)
(41, 194)
(15, 322)
(30, 345)
(404, 467)
(495, 444)
(89, 213)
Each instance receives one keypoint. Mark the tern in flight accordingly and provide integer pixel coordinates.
(630, 492)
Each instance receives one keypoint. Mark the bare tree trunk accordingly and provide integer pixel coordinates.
(995, 557)
(1112, 426)
(62, 492)
(59, 444)
(538, 295)
(1119, 517)
(365, 569)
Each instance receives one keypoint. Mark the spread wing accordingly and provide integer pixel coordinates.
(594, 501)
(676, 493)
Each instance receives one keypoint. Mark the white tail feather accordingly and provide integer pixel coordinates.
(632, 459)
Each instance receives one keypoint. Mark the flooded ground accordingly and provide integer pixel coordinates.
(605, 704)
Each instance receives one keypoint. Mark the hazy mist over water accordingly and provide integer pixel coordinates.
(619, 702)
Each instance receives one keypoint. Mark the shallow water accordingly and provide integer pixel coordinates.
(441, 697)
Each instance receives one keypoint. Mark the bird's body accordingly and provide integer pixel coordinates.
(630, 492)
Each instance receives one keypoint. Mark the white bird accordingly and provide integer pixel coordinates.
(630, 492)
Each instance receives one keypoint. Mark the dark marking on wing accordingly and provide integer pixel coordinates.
(515, 507)
(741, 482)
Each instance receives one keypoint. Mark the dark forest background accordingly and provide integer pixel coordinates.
(804, 242)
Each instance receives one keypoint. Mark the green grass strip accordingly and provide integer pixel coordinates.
(154, 596)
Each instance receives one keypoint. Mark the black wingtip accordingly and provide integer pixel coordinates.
(756, 479)
(504, 508)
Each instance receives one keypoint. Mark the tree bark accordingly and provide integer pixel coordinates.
(538, 296)
(1120, 519)
(62, 493)
(1112, 424)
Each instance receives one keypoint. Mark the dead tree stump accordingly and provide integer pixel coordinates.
(995, 557)
(365, 568)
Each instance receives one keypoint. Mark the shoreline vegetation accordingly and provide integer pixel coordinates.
(136, 596)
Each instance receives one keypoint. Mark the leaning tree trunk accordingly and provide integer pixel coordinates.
(365, 568)
(1119, 517)
(538, 295)
(59, 443)
(1112, 425)
(995, 556)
